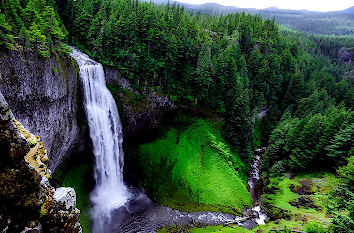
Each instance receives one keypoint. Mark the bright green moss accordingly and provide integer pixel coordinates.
(75, 178)
(194, 169)
(54, 70)
(321, 184)
(300, 218)
(63, 70)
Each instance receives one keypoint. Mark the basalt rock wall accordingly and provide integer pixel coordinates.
(44, 95)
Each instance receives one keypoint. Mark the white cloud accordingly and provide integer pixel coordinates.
(314, 5)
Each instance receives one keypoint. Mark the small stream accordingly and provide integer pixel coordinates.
(141, 214)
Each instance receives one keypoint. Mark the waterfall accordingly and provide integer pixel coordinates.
(106, 134)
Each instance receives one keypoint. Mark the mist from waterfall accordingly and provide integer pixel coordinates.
(106, 133)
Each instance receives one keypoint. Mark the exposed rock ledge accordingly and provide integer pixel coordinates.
(28, 202)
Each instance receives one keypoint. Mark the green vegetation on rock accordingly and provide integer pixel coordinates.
(194, 169)
(75, 178)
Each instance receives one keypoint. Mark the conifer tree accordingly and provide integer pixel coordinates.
(6, 38)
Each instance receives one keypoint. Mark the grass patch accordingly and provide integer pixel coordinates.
(193, 169)
(75, 178)
(230, 229)
(322, 184)
(284, 195)
(279, 226)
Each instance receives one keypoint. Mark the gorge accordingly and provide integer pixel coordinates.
(129, 116)
(114, 208)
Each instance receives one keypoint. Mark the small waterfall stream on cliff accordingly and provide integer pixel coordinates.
(253, 182)
(106, 134)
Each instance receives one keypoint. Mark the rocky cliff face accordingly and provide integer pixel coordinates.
(139, 113)
(346, 55)
(43, 95)
(28, 203)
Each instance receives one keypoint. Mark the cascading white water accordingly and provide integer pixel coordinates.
(252, 182)
(106, 134)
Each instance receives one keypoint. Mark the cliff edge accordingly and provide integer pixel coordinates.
(28, 201)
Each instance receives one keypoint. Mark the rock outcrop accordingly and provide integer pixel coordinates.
(28, 203)
(346, 55)
(44, 95)
(139, 113)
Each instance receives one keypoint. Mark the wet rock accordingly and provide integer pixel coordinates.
(292, 188)
(35, 227)
(65, 197)
(4, 224)
(306, 188)
(274, 213)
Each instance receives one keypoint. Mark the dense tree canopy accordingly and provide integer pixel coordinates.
(236, 65)
(296, 90)
(31, 23)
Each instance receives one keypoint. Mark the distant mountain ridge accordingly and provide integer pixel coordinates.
(312, 22)
(349, 10)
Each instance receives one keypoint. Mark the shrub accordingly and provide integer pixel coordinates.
(278, 169)
(342, 224)
(54, 70)
(314, 227)
(286, 229)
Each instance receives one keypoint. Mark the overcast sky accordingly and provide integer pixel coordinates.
(313, 5)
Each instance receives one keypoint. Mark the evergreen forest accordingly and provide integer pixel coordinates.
(238, 82)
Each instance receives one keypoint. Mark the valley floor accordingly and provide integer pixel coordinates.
(294, 199)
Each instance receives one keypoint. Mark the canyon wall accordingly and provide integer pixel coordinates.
(140, 112)
(44, 95)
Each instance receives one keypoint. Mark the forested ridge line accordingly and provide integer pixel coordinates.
(233, 64)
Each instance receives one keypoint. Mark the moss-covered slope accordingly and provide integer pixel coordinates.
(194, 169)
